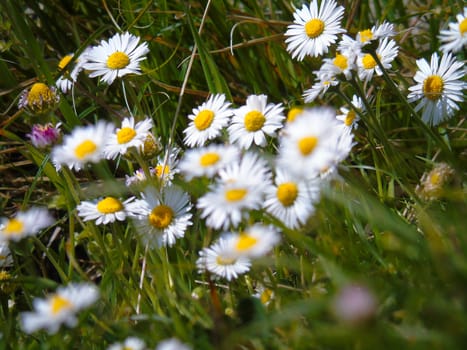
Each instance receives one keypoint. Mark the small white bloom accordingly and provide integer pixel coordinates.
(255, 241)
(350, 116)
(207, 121)
(59, 308)
(68, 78)
(130, 343)
(108, 209)
(5, 255)
(454, 39)
(119, 56)
(83, 145)
(439, 88)
(378, 31)
(24, 224)
(340, 64)
(221, 260)
(172, 344)
(386, 52)
(253, 121)
(314, 29)
(320, 87)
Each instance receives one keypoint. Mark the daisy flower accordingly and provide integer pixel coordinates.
(220, 260)
(265, 295)
(309, 144)
(119, 56)
(378, 31)
(108, 209)
(59, 308)
(240, 187)
(349, 116)
(454, 39)
(5, 255)
(255, 241)
(320, 87)
(39, 99)
(386, 52)
(84, 145)
(24, 224)
(439, 88)
(130, 343)
(167, 167)
(129, 135)
(314, 30)
(207, 121)
(43, 136)
(293, 113)
(165, 216)
(68, 78)
(292, 199)
(340, 64)
(207, 161)
(254, 120)
(172, 344)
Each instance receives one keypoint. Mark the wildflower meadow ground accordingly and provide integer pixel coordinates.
(226, 174)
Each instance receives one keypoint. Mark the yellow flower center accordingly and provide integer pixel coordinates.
(118, 60)
(59, 303)
(225, 260)
(85, 148)
(125, 135)
(109, 205)
(306, 145)
(433, 87)
(160, 169)
(161, 216)
(204, 119)
(293, 113)
(254, 120)
(463, 26)
(368, 61)
(266, 296)
(340, 62)
(209, 159)
(245, 242)
(13, 227)
(314, 28)
(435, 178)
(366, 35)
(39, 93)
(287, 193)
(64, 61)
(349, 118)
(235, 194)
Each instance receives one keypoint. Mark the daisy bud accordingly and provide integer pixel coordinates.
(39, 99)
(43, 136)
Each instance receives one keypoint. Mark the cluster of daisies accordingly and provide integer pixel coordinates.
(439, 85)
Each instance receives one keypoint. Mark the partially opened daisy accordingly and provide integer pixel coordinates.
(108, 209)
(292, 199)
(165, 216)
(207, 161)
(454, 39)
(70, 75)
(43, 136)
(59, 308)
(220, 260)
(84, 145)
(314, 29)
(319, 88)
(39, 99)
(386, 52)
(349, 116)
(167, 166)
(207, 121)
(253, 121)
(119, 56)
(340, 64)
(378, 31)
(128, 136)
(254, 241)
(439, 88)
(24, 223)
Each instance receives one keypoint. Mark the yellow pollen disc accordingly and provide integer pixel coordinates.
(463, 26)
(85, 148)
(204, 119)
(58, 304)
(64, 61)
(314, 28)
(368, 61)
(109, 205)
(161, 216)
(245, 242)
(13, 227)
(433, 87)
(235, 195)
(366, 35)
(340, 62)
(40, 92)
(254, 120)
(307, 144)
(118, 60)
(293, 113)
(435, 179)
(225, 261)
(287, 193)
(125, 135)
(209, 159)
(159, 170)
(266, 296)
(350, 117)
